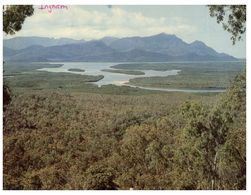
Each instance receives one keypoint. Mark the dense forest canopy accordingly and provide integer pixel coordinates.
(60, 140)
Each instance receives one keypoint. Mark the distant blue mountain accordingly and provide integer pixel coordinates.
(23, 42)
(108, 40)
(160, 47)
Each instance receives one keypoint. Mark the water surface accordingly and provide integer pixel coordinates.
(94, 68)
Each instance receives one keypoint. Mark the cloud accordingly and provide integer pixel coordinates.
(78, 22)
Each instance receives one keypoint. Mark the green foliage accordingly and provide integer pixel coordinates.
(210, 139)
(99, 177)
(14, 17)
(232, 17)
(48, 178)
(56, 140)
(147, 153)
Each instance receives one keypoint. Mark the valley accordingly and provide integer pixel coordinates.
(119, 97)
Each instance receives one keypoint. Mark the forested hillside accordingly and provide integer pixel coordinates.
(60, 140)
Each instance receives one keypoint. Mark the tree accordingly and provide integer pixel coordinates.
(213, 142)
(232, 17)
(14, 17)
(6, 96)
(212, 153)
(100, 177)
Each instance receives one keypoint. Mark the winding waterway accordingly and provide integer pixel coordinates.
(119, 79)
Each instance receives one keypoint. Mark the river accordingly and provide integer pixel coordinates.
(95, 68)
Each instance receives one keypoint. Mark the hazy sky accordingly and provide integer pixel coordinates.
(190, 23)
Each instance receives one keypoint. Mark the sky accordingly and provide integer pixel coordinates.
(189, 23)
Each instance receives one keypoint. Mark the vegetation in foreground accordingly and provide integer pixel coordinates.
(61, 140)
(130, 72)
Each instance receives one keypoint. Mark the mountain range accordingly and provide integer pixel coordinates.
(160, 47)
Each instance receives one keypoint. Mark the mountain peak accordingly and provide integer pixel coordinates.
(108, 40)
(196, 42)
(164, 35)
